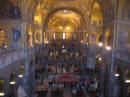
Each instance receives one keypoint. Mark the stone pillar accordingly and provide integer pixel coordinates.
(91, 61)
(103, 78)
(24, 40)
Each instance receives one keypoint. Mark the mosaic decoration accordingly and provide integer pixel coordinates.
(9, 10)
(2, 38)
(48, 4)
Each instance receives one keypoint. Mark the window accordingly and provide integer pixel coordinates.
(63, 36)
(54, 36)
(65, 11)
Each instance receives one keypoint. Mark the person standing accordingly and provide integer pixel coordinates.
(74, 92)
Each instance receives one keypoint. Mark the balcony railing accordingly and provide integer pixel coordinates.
(13, 56)
(66, 61)
(124, 56)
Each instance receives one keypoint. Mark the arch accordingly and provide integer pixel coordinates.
(12, 86)
(13, 77)
(96, 22)
(127, 76)
(21, 72)
(2, 87)
(62, 8)
(125, 7)
(117, 70)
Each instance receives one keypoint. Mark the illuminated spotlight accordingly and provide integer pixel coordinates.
(127, 81)
(12, 83)
(117, 74)
(20, 76)
(68, 28)
(108, 48)
(100, 44)
(5, 46)
(100, 59)
(60, 27)
(2, 94)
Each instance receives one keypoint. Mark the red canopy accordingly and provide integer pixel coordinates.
(67, 78)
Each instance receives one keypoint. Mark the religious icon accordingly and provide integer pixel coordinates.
(16, 33)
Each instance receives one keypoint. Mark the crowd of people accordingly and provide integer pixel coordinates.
(86, 88)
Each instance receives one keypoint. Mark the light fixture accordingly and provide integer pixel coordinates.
(127, 81)
(68, 28)
(100, 44)
(12, 82)
(100, 59)
(20, 76)
(108, 48)
(2, 93)
(117, 74)
(60, 27)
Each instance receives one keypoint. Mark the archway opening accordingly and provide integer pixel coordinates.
(2, 88)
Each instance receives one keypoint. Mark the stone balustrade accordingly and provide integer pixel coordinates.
(124, 56)
(13, 56)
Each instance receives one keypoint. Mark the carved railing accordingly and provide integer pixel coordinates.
(124, 56)
(10, 57)
(13, 56)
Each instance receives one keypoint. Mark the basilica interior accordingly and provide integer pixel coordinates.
(64, 48)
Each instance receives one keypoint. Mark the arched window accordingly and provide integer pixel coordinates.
(13, 78)
(127, 76)
(117, 70)
(126, 12)
(21, 73)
